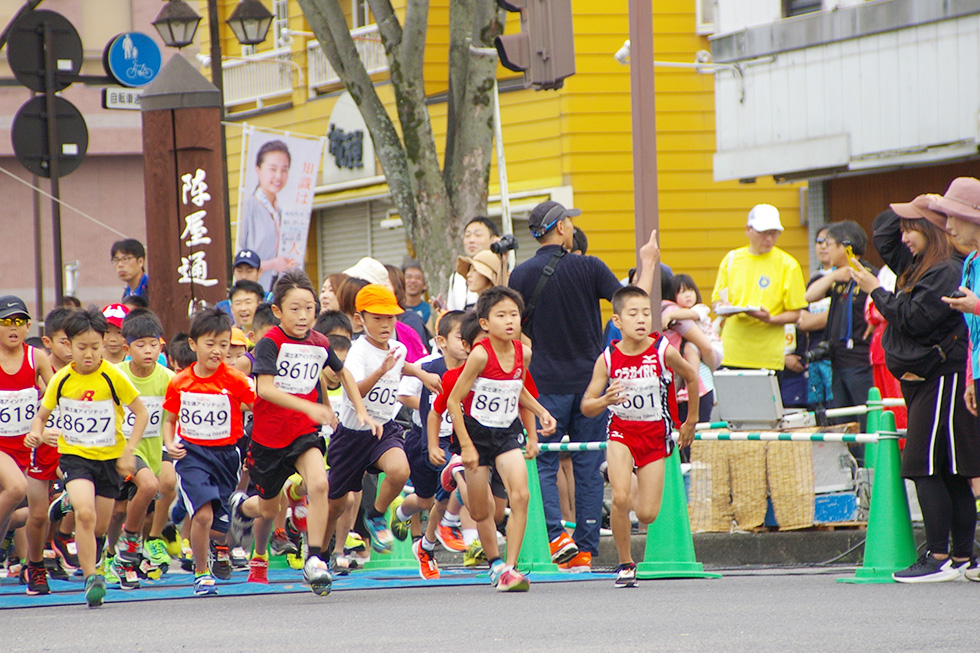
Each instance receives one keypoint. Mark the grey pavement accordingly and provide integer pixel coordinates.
(743, 611)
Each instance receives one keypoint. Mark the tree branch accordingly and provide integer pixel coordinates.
(330, 26)
(460, 31)
(387, 21)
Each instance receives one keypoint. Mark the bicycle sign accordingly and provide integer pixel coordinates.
(133, 59)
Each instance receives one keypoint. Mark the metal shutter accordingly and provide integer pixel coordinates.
(342, 237)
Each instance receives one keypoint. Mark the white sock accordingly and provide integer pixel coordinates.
(470, 535)
(427, 545)
(401, 515)
(450, 520)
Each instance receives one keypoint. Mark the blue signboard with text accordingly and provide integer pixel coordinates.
(133, 59)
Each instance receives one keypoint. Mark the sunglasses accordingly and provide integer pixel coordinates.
(13, 321)
(821, 240)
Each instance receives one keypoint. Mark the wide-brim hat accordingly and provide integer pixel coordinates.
(485, 262)
(919, 208)
(371, 270)
(961, 200)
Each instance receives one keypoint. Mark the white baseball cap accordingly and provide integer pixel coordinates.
(764, 217)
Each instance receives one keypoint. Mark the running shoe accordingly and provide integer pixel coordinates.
(428, 569)
(354, 542)
(37, 580)
(204, 585)
(563, 548)
(258, 570)
(220, 562)
(511, 580)
(67, 549)
(400, 529)
(241, 526)
(317, 575)
(155, 549)
(474, 554)
(496, 569)
(450, 537)
(340, 565)
(59, 508)
(109, 570)
(52, 564)
(972, 571)
(447, 477)
(126, 572)
(172, 538)
(964, 566)
(239, 558)
(626, 575)
(128, 547)
(928, 569)
(581, 563)
(6, 546)
(280, 544)
(94, 590)
(381, 538)
(298, 510)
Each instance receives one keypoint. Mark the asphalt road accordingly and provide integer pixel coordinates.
(744, 611)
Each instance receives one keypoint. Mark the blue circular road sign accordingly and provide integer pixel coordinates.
(132, 59)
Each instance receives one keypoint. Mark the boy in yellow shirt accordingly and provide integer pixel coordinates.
(90, 395)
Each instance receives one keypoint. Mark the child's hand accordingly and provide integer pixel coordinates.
(126, 464)
(321, 413)
(176, 450)
(433, 382)
(437, 457)
(50, 437)
(615, 394)
(548, 424)
(471, 459)
(687, 434)
(365, 420)
(389, 362)
(32, 440)
(531, 448)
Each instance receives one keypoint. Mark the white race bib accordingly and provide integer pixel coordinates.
(54, 420)
(204, 416)
(381, 402)
(446, 425)
(643, 400)
(298, 368)
(88, 423)
(495, 402)
(17, 409)
(154, 406)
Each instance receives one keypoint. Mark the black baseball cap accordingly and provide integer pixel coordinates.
(11, 305)
(248, 257)
(546, 215)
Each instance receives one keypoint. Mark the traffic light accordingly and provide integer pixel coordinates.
(544, 50)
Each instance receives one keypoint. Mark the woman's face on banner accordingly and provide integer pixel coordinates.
(273, 172)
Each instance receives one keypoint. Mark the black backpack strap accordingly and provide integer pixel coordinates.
(57, 394)
(546, 273)
(112, 389)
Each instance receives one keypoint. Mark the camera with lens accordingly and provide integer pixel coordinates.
(820, 351)
(506, 243)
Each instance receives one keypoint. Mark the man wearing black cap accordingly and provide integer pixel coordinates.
(564, 323)
(247, 267)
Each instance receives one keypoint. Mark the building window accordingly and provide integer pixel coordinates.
(800, 7)
(362, 13)
(280, 22)
(704, 17)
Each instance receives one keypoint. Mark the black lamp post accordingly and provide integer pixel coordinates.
(177, 23)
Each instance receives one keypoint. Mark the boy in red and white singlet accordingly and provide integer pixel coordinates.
(640, 397)
(485, 407)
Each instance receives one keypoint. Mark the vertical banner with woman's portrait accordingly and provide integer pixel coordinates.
(279, 174)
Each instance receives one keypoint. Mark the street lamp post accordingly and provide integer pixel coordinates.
(177, 24)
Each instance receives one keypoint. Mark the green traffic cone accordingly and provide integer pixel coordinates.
(874, 425)
(401, 556)
(535, 551)
(669, 550)
(890, 544)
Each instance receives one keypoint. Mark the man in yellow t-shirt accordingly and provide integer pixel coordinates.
(767, 279)
(763, 277)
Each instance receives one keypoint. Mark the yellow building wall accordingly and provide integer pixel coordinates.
(582, 136)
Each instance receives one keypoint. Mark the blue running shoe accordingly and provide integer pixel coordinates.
(204, 585)
(381, 537)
